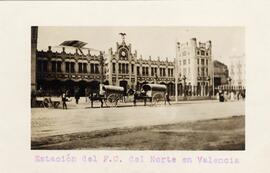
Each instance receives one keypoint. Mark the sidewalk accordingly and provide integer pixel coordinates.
(129, 103)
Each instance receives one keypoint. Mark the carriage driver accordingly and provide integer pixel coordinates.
(101, 94)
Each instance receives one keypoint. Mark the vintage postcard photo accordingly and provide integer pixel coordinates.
(137, 88)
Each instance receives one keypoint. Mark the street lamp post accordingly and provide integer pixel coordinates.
(184, 79)
(101, 66)
(208, 79)
(229, 81)
(176, 70)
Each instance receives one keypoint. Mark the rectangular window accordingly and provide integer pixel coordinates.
(172, 72)
(202, 61)
(96, 68)
(80, 67)
(169, 72)
(92, 68)
(119, 68)
(132, 68)
(123, 68)
(207, 62)
(184, 62)
(143, 71)
(113, 67)
(127, 71)
(206, 71)
(53, 66)
(202, 70)
(202, 52)
(198, 71)
(59, 66)
(146, 71)
(164, 72)
(160, 71)
(67, 67)
(85, 67)
(198, 61)
(138, 70)
(155, 70)
(72, 68)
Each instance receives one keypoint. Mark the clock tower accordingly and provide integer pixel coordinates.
(122, 65)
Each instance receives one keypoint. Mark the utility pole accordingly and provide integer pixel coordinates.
(176, 71)
(101, 66)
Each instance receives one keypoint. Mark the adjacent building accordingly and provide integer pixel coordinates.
(237, 71)
(221, 73)
(195, 67)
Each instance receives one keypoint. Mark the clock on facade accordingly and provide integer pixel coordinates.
(123, 53)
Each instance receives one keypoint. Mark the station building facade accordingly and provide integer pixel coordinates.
(58, 71)
(126, 69)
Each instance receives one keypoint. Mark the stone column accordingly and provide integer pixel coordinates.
(49, 66)
(34, 36)
(63, 66)
(88, 67)
(76, 67)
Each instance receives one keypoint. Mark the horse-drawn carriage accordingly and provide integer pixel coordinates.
(111, 95)
(108, 94)
(155, 93)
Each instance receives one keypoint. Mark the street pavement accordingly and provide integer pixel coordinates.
(81, 118)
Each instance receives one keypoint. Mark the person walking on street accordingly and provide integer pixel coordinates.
(135, 98)
(64, 99)
(221, 96)
(167, 98)
(77, 96)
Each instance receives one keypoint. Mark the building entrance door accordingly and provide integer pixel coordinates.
(124, 84)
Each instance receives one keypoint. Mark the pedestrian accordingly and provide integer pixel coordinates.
(64, 99)
(77, 96)
(167, 98)
(221, 96)
(232, 96)
(135, 98)
(86, 93)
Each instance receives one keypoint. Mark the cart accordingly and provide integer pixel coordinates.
(108, 94)
(155, 93)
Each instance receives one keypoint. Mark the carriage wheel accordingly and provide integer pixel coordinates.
(157, 98)
(112, 100)
(46, 103)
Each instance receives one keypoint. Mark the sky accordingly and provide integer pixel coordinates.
(149, 41)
